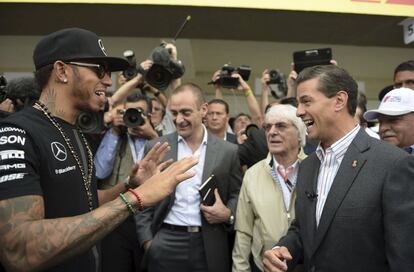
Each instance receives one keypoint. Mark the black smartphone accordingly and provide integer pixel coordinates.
(311, 57)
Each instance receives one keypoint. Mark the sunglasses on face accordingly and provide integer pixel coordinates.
(99, 69)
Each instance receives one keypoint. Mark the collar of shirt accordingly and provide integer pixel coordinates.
(136, 145)
(292, 176)
(340, 147)
(204, 141)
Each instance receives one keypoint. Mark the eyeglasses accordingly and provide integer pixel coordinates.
(281, 127)
(99, 69)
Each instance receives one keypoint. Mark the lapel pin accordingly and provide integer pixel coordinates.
(354, 163)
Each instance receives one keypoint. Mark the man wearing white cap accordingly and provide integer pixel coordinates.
(396, 118)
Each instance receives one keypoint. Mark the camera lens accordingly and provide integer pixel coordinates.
(90, 122)
(250, 128)
(133, 117)
(130, 73)
(158, 77)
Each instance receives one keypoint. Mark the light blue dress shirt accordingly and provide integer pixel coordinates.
(107, 151)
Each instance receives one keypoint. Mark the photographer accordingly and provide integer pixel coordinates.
(161, 117)
(240, 123)
(128, 86)
(120, 148)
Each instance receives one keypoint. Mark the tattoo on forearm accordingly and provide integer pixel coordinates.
(28, 240)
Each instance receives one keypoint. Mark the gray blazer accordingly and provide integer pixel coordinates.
(222, 161)
(368, 217)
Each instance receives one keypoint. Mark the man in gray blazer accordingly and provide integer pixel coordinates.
(355, 204)
(179, 234)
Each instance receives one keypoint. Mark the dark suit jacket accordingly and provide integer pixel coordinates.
(254, 149)
(368, 217)
(222, 161)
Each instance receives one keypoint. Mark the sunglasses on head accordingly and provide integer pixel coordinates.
(99, 69)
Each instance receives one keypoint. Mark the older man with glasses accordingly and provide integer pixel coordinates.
(266, 203)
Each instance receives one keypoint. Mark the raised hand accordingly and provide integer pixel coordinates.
(162, 184)
(150, 165)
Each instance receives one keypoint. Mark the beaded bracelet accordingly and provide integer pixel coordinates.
(127, 184)
(139, 200)
(129, 206)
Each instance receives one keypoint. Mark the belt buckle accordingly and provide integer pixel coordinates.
(193, 229)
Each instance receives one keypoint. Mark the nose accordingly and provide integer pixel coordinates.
(300, 111)
(107, 80)
(179, 118)
(384, 125)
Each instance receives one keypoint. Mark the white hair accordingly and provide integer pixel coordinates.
(288, 112)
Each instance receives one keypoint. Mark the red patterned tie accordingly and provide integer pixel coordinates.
(285, 175)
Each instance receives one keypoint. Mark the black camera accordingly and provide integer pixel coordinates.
(134, 117)
(279, 79)
(22, 91)
(225, 79)
(132, 70)
(3, 85)
(311, 57)
(249, 129)
(91, 122)
(164, 69)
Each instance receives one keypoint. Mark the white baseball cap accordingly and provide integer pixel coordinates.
(397, 102)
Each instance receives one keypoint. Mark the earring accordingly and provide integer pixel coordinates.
(65, 80)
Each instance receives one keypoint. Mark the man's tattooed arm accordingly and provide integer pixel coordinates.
(30, 242)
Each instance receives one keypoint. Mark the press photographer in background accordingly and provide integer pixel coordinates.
(121, 147)
(161, 71)
(16, 94)
(161, 117)
(123, 144)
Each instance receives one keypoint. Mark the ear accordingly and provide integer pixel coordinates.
(59, 69)
(204, 110)
(341, 101)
